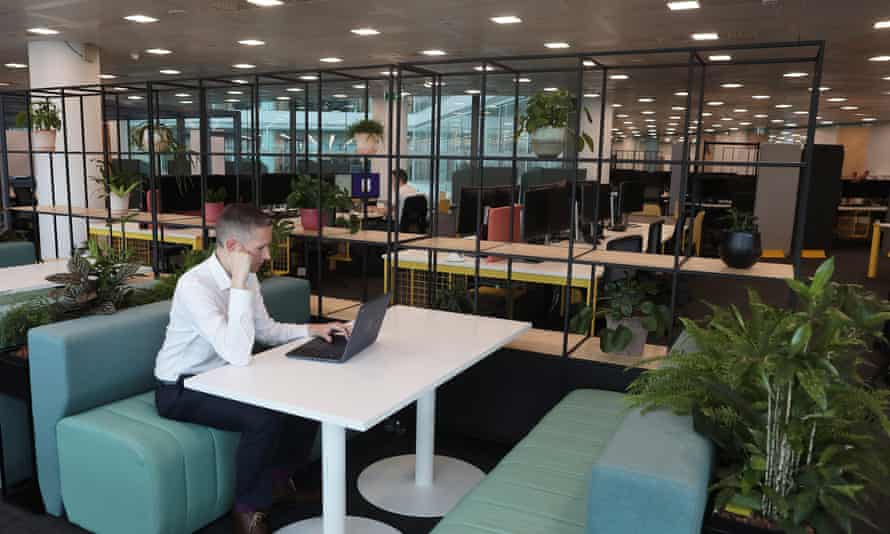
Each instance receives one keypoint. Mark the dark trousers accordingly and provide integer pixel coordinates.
(273, 445)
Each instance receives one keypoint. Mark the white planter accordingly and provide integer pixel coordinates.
(548, 142)
(639, 334)
(120, 203)
(44, 140)
(160, 144)
(366, 144)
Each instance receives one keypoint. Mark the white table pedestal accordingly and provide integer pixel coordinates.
(421, 484)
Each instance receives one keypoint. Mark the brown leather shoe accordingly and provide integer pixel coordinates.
(287, 493)
(249, 523)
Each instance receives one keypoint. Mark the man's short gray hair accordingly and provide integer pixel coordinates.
(238, 221)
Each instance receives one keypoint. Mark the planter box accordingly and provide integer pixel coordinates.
(719, 524)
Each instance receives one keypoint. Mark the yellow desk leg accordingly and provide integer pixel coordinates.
(875, 245)
(386, 276)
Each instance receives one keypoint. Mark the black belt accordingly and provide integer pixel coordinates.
(177, 382)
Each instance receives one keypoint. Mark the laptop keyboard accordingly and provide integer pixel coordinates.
(319, 349)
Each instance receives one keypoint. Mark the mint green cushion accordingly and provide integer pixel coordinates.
(122, 461)
(14, 253)
(541, 485)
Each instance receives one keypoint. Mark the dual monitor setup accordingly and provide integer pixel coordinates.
(543, 212)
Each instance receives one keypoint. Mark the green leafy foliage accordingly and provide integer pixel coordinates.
(353, 222)
(116, 181)
(16, 321)
(215, 195)
(164, 288)
(454, 297)
(799, 435)
(627, 298)
(741, 221)
(553, 109)
(308, 193)
(365, 126)
(163, 137)
(44, 116)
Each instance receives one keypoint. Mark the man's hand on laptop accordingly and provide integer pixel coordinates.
(326, 331)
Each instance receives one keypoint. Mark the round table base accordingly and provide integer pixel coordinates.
(389, 484)
(354, 525)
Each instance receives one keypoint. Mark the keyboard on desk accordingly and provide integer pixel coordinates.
(319, 349)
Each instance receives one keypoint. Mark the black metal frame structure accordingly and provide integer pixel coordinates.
(436, 73)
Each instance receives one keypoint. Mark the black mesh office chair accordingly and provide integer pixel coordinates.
(632, 243)
(414, 215)
(653, 245)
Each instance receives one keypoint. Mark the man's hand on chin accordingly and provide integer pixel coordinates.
(239, 263)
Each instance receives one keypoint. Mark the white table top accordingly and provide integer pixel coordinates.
(417, 350)
(30, 277)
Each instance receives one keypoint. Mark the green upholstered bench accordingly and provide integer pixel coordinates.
(592, 466)
(13, 253)
(104, 455)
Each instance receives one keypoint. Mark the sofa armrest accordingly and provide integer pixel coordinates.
(652, 477)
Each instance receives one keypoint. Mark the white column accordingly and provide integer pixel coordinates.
(58, 64)
(593, 130)
(380, 112)
(425, 439)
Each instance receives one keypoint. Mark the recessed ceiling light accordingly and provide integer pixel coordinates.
(251, 42)
(182, 95)
(746, 123)
(705, 36)
(646, 100)
(240, 81)
(795, 75)
(731, 85)
(331, 60)
(783, 106)
(243, 66)
(727, 119)
(358, 86)
(683, 5)
(681, 93)
(621, 116)
(761, 97)
(706, 114)
(720, 57)
(790, 124)
(677, 108)
(488, 68)
(340, 95)
(107, 76)
(673, 124)
(882, 24)
(826, 123)
(233, 92)
(365, 31)
(16, 66)
(761, 116)
(648, 112)
(472, 91)
(617, 105)
(630, 123)
(43, 31)
(141, 19)
(551, 89)
(776, 121)
(294, 89)
(709, 130)
(869, 119)
(265, 3)
(406, 93)
(591, 95)
(715, 103)
(185, 101)
(649, 120)
(433, 52)
(849, 108)
(837, 99)
(879, 58)
(557, 45)
(733, 129)
(232, 100)
(134, 97)
(388, 73)
(170, 72)
(740, 110)
(507, 19)
(158, 51)
(282, 98)
(524, 80)
(4, 84)
(119, 88)
(801, 112)
(588, 63)
(822, 89)
(674, 117)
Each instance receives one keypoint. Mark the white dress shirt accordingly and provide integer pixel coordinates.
(213, 324)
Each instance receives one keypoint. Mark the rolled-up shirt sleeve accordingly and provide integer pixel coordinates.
(269, 331)
(230, 331)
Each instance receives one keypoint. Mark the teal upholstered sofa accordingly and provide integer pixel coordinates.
(593, 466)
(104, 455)
(14, 253)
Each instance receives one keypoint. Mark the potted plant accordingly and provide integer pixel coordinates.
(351, 221)
(631, 314)
(740, 244)
(308, 195)
(368, 134)
(163, 137)
(117, 184)
(45, 122)
(17, 320)
(799, 436)
(546, 120)
(214, 203)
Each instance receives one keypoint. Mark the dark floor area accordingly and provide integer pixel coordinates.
(381, 442)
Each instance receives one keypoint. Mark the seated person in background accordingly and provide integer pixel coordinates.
(400, 177)
(217, 315)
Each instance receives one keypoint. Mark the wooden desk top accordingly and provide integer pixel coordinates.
(550, 252)
(590, 350)
(451, 244)
(761, 269)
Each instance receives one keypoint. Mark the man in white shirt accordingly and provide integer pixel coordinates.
(400, 177)
(217, 315)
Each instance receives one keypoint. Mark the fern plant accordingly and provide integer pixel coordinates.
(797, 431)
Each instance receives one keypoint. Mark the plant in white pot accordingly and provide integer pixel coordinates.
(117, 184)
(367, 134)
(546, 120)
(631, 314)
(214, 203)
(44, 122)
(163, 137)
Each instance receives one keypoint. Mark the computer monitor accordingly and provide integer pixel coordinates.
(588, 201)
(630, 197)
(365, 185)
(492, 197)
(559, 218)
(537, 213)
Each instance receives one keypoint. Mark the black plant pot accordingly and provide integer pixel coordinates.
(740, 249)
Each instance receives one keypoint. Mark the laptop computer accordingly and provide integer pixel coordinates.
(364, 334)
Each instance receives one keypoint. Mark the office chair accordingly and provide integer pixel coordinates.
(653, 245)
(631, 243)
(414, 215)
(653, 210)
(697, 226)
